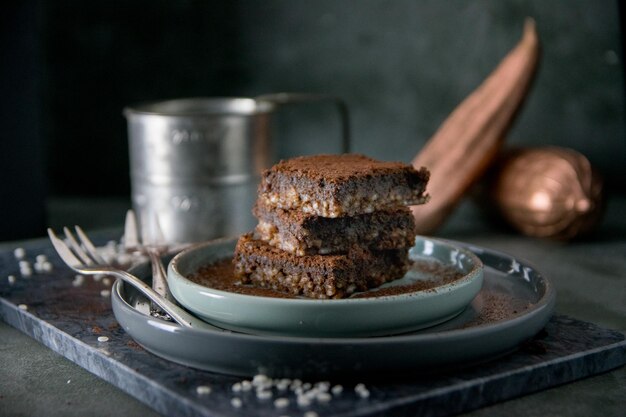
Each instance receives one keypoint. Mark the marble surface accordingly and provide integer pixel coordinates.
(70, 319)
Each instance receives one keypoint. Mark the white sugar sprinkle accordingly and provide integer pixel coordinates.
(43, 266)
(361, 391)
(264, 395)
(322, 386)
(11, 279)
(311, 394)
(203, 390)
(98, 277)
(303, 401)
(19, 253)
(106, 281)
(259, 379)
(310, 414)
(22, 307)
(281, 403)
(105, 293)
(103, 339)
(296, 383)
(78, 280)
(364, 394)
(282, 386)
(41, 258)
(69, 380)
(305, 393)
(323, 397)
(336, 390)
(25, 268)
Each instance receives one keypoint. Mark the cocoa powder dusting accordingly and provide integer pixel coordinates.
(220, 276)
(133, 345)
(496, 307)
(443, 275)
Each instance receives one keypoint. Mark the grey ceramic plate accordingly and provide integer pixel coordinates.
(514, 304)
(374, 315)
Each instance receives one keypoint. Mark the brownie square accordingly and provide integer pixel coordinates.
(308, 234)
(316, 276)
(342, 185)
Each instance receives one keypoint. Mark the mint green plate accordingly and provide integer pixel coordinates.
(351, 317)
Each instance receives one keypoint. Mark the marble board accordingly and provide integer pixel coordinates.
(74, 318)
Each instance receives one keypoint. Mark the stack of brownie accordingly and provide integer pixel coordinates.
(331, 225)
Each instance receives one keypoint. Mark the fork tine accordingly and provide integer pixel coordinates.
(89, 246)
(158, 236)
(75, 246)
(145, 229)
(151, 231)
(131, 238)
(63, 250)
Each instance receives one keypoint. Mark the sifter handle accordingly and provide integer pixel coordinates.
(342, 108)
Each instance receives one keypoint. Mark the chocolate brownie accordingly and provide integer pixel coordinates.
(316, 276)
(307, 234)
(342, 185)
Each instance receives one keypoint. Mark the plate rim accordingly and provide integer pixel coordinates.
(546, 302)
(346, 317)
(466, 279)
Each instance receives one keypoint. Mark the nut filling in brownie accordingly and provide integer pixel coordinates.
(316, 276)
(342, 185)
(331, 225)
(304, 234)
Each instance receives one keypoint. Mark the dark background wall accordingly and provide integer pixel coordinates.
(69, 68)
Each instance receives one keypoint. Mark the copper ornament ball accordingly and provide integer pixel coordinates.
(548, 192)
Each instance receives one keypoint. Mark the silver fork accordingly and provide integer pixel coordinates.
(81, 256)
(153, 247)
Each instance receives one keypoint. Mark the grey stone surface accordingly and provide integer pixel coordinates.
(36, 381)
